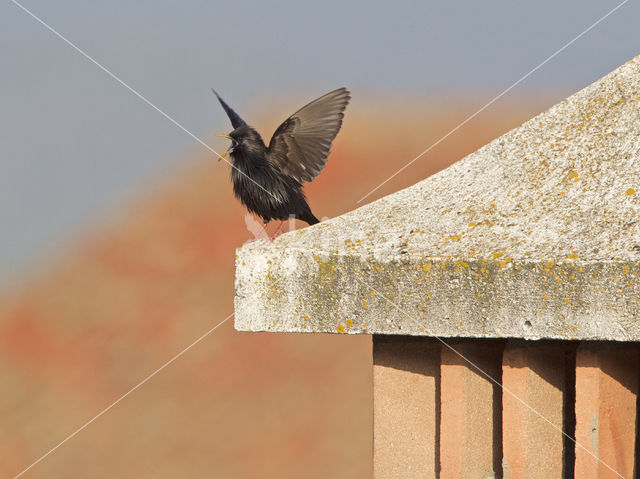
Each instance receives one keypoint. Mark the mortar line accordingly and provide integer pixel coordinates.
(135, 92)
(497, 383)
(504, 92)
(114, 403)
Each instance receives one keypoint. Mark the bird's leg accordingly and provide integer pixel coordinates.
(277, 232)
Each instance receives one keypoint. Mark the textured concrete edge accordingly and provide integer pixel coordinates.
(296, 290)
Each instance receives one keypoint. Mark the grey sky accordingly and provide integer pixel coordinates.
(72, 140)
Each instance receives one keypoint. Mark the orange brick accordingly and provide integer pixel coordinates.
(470, 406)
(532, 447)
(405, 382)
(606, 391)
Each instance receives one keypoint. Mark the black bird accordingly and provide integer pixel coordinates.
(268, 180)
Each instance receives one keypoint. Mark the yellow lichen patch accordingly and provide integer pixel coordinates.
(349, 323)
(426, 267)
(573, 175)
(422, 329)
(365, 304)
(479, 295)
(497, 255)
(472, 224)
(625, 269)
(364, 325)
(340, 328)
(503, 264)
(572, 256)
(630, 192)
(372, 293)
(453, 238)
(306, 317)
(566, 300)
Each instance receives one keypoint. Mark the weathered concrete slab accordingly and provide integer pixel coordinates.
(535, 235)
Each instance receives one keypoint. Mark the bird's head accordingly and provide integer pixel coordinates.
(244, 141)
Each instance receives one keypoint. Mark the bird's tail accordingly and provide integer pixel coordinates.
(309, 218)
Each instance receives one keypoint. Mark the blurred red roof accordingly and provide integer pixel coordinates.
(145, 285)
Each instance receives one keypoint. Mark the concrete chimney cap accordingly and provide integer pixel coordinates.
(535, 235)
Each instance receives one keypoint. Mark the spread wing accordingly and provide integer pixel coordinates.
(300, 146)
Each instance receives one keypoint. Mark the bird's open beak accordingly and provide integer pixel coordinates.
(224, 155)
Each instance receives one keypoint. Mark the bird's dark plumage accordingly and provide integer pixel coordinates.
(268, 180)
